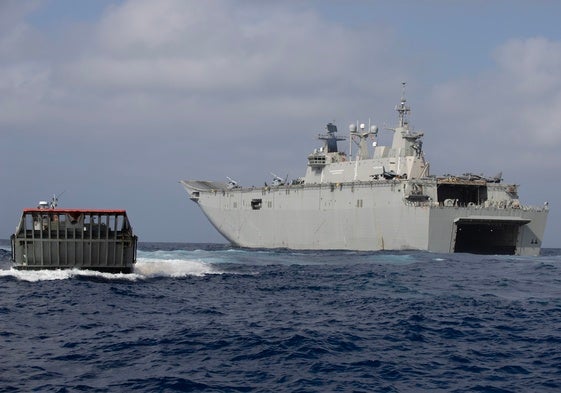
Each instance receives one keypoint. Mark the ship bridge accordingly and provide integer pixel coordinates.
(403, 159)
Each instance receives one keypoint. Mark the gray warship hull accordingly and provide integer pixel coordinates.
(380, 200)
(366, 216)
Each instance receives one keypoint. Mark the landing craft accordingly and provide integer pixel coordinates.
(385, 199)
(48, 237)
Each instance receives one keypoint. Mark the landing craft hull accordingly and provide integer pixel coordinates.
(364, 216)
(89, 239)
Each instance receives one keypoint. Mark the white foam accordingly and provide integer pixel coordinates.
(37, 275)
(144, 268)
(172, 268)
(63, 274)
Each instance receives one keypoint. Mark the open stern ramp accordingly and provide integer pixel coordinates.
(488, 235)
(487, 230)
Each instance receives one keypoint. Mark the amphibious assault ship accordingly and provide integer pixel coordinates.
(380, 200)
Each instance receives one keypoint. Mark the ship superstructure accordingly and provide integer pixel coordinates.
(381, 199)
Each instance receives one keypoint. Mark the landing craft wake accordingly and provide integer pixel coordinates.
(383, 199)
(145, 268)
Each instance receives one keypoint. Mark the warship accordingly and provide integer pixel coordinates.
(383, 198)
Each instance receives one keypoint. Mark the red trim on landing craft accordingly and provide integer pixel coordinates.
(58, 210)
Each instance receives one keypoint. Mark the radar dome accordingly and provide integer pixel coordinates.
(352, 127)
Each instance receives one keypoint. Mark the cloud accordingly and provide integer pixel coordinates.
(218, 48)
(146, 62)
(17, 39)
(507, 113)
(531, 73)
(193, 79)
(532, 65)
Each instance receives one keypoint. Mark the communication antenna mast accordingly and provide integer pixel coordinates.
(54, 200)
(402, 109)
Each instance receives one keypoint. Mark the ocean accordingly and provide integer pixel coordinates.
(212, 318)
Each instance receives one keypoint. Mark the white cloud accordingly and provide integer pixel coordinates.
(531, 73)
(507, 114)
(17, 38)
(147, 63)
(531, 66)
(214, 47)
(164, 27)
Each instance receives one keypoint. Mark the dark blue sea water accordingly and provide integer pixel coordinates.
(209, 318)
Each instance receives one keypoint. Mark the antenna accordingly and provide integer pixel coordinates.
(402, 109)
(54, 200)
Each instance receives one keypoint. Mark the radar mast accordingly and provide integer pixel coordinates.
(402, 109)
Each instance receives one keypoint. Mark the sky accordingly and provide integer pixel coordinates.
(111, 103)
